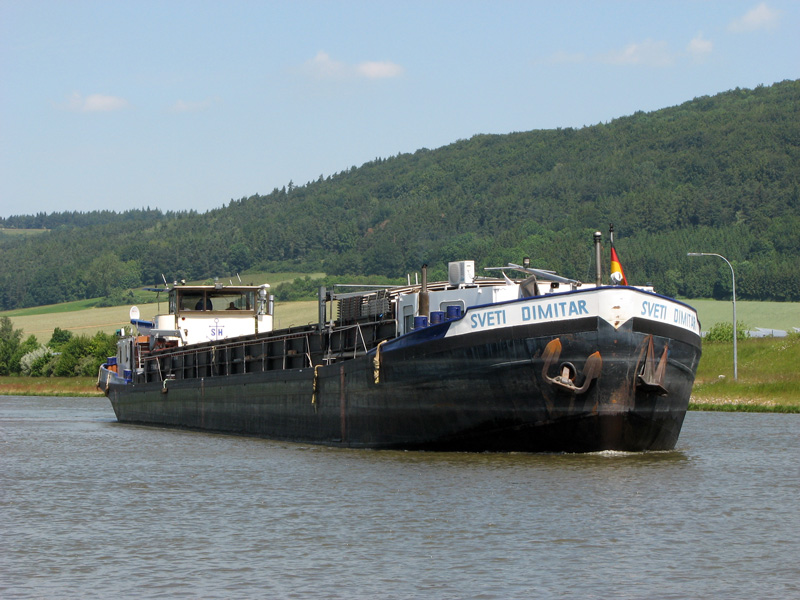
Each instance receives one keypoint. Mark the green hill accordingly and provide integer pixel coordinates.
(715, 174)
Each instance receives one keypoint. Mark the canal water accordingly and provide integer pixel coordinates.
(90, 508)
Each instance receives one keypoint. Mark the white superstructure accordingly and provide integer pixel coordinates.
(209, 313)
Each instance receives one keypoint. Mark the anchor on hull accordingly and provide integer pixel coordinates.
(567, 378)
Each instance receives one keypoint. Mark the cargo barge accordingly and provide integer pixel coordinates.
(540, 363)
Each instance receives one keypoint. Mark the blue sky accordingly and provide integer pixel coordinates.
(184, 105)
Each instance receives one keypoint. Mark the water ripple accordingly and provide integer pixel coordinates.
(94, 509)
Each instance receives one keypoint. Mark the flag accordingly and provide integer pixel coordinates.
(617, 274)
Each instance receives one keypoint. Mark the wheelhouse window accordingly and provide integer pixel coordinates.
(233, 300)
(216, 300)
(195, 300)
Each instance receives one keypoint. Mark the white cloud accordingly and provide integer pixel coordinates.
(379, 70)
(760, 17)
(699, 47)
(95, 103)
(322, 66)
(647, 53)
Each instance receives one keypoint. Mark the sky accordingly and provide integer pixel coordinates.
(185, 105)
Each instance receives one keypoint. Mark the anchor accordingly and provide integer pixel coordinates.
(567, 373)
(651, 375)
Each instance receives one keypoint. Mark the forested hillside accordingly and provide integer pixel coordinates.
(715, 174)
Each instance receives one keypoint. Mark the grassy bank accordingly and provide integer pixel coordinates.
(769, 380)
(48, 386)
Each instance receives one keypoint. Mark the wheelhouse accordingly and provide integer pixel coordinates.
(208, 313)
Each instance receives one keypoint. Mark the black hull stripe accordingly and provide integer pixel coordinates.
(548, 329)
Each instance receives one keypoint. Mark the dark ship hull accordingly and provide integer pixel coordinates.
(493, 384)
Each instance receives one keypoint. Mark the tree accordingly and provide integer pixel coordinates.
(59, 338)
(713, 174)
(108, 273)
(9, 346)
(30, 344)
(82, 355)
(240, 257)
(34, 362)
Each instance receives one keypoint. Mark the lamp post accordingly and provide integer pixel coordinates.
(733, 280)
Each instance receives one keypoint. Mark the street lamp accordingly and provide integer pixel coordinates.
(733, 280)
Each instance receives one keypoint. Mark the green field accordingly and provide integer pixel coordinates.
(144, 297)
(89, 321)
(768, 315)
(82, 317)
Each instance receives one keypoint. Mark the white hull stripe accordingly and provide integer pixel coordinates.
(614, 305)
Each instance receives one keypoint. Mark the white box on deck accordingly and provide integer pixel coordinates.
(461, 272)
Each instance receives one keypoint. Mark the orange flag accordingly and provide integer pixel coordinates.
(617, 274)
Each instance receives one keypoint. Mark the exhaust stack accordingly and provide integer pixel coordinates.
(424, 299)
(597, 237)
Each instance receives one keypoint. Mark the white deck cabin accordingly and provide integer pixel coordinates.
(464, 290)
(209, 313)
